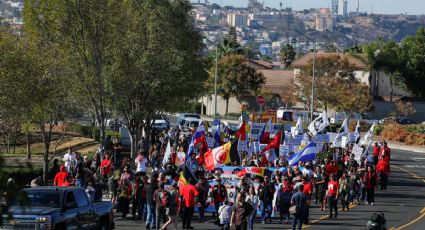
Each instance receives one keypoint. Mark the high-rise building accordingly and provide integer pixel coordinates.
(358, 6)
(237, 20)
(324, 20)
(334, 9)
(343, 8)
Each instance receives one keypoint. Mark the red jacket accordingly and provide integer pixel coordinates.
(385, 153)
(383, 166)
(376, 151)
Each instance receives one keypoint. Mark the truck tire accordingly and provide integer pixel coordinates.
(104, 225)
(60, 226)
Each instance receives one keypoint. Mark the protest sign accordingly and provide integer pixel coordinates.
(210, 142)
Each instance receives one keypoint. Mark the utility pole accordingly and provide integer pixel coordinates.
(313, 82)
(215, 80)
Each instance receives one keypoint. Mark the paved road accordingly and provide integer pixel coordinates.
(402, 203)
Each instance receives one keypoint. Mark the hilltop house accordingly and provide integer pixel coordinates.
(278, 87)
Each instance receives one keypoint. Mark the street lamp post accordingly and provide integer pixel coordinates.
(313, 82)
(215, 81)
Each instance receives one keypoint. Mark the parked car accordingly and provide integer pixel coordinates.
(183, 116)
(58, 208)
(160, 124)
(399, 120)
(191, 123)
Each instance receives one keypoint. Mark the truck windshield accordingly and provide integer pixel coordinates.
(39, 199)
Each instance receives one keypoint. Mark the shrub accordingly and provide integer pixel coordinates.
(378, 130)
(416, 129)
(85, 131)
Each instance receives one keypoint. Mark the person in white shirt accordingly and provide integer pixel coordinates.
(69, 159)
(224, 214)
(141, 163)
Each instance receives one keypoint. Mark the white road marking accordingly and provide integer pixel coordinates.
(417, 158)
(415, 166)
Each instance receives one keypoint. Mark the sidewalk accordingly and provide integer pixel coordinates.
(400, 146)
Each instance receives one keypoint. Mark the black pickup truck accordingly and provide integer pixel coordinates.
(57, 208)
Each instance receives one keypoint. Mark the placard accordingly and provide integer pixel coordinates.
(242, 145)
(210, 142)
(344, 141)
(352, 137)
(284, 150)
(181, 156)
(358, 152)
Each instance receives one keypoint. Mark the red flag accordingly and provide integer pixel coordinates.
(241, 133)
(275, 144)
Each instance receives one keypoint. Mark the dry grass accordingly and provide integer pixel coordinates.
(395, 132)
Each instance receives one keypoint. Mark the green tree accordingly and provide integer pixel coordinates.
(34, 85)
(235, 78)
(335, 86)
(385, 56)
(413, 61)
(287, 55)
(155, 71)
(230, 44)
(82, 31)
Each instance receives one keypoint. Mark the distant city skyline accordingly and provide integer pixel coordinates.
(416, 7)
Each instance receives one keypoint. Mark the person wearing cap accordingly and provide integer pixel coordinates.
(60, 177)
(173, 208)
(219, 194)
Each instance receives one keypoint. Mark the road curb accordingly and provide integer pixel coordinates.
(406, 148)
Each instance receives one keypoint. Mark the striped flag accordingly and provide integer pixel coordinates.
(308, 153)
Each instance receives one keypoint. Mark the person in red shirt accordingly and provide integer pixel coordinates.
(383, 169)
(333, 187)
(307, 191)
(370, 179)
(106, 165)
(60, 177)
(385, 152)
(331, 168)
(189, 194)
(376, 151)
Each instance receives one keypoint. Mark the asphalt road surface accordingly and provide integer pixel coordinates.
(403, 203)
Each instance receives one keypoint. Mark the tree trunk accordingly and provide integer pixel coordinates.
(227, 106)
(391, 88)
(28, 137)
(133, 143)
(46, 140)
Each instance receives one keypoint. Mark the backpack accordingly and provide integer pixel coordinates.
(165, 201)
(377, 221)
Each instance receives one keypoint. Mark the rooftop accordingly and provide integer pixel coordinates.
(308, 58)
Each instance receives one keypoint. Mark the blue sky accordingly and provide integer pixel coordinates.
(379, 6)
